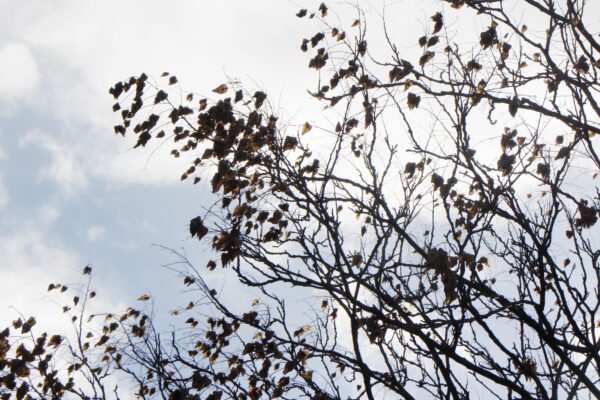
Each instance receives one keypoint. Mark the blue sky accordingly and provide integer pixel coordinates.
(71, 192)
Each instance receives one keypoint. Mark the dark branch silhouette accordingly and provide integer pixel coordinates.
(443, 226)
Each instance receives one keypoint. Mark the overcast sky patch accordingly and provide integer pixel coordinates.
(20, 75)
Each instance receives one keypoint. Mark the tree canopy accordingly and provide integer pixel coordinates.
(441, 220)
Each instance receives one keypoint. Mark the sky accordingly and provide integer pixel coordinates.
(72, 193)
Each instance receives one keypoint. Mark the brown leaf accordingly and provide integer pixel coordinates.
(161, 95)
(488, 38)
(473, 65)
(582, 65)
(323, 9)
(316, 39)
(259, 99)
(587, 215)
(438, 19)
(197, 228)
(433, 41)
(211, 265)
(507, 142)
(362, 48)
(27, 325)
(413, 101)
(221, 89)
(513, 106)
(543, 169)
(505, 163)
(304, 45)
(289, 143)
(306, 127)
(319, 60)
(239, 95)
(410, 169)
(563, 153)
(425, 58)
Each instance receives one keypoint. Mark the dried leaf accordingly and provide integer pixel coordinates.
(323, 10)
(438, 19)
(426, 57)
(513, 106)
(221, 89)
(413, 101)
(306, 127)
(562, 153)
(197, 228)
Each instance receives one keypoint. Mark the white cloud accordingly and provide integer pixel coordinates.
(20, 73)
(28, 265)
(95, 233)
(64, 169)
(32, 258)
(84, 49)
(49, 213)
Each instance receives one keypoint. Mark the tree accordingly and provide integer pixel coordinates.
(440, 267)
